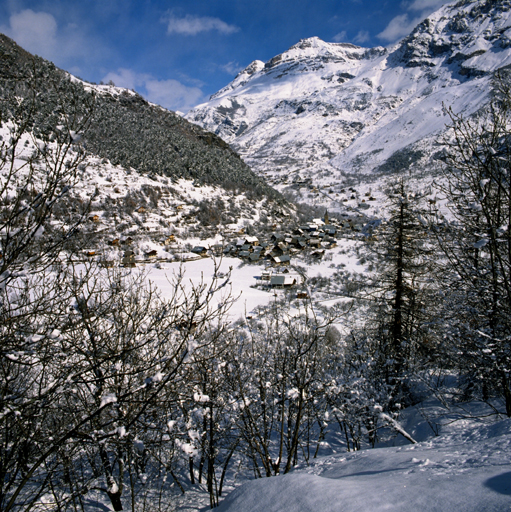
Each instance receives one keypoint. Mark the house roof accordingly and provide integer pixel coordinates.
(282, 280)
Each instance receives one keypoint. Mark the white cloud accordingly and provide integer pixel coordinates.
(36, 32)
(170, 94)
(341, 37)
(173, 94)
(192, 25)
(65, 45)
(403, 24)
(398, 27)
(126, 78)
(362, 37)
(232, 68)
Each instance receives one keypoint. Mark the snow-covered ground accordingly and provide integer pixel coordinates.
(245, 277)
(466, 468)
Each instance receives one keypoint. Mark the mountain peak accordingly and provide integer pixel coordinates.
(326, 108)
(317, 43)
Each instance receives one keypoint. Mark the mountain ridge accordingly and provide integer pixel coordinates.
(333, 108)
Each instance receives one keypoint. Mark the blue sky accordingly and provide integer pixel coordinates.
(178, 52)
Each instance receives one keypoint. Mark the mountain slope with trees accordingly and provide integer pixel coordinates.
(125, 128)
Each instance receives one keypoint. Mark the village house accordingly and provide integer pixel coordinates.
(200, 250)
(128, 259)
(284, 259)
(282, 281)
(251, 240)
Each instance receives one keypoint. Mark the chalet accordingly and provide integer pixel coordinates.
(282, 246)
(284, 259)
(244, 254)
(200, 250)
(115, 242)
(169, 240)
(251, 240)
(90, 254)
(179, 207)
(141, 210)
(128, 259)
(329, 229)
(265, 275)
(107, 263)
(302, 295)
(277, 238)
(315, 242)
(229, 250)
(94, 218)
(151, 254)
(127, 241)
(282, 281)
(255, 256)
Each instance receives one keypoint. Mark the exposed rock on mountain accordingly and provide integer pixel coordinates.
(321, 108)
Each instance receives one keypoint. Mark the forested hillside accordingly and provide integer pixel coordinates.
(122, 126)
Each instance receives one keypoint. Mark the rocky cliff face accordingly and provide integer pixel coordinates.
(320, 108)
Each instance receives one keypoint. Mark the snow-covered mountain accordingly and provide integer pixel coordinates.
(320, 108)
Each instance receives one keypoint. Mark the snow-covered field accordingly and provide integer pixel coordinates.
(467, 468)
(243, 278)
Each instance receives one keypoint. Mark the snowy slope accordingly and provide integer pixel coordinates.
(467, 469)
(321, 108)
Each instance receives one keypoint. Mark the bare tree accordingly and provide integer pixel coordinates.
(476, 242)
(278, 382)
(36, 174)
